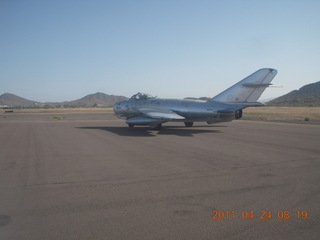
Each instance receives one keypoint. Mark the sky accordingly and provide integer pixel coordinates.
(63, 50)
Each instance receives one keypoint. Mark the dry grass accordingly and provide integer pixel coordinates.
(282, 113)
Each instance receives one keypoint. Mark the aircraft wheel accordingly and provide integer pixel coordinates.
(157, 127)
(131, 125)
(188, 124)
(238, 114)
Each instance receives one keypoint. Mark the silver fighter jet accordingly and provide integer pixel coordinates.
(143, 109)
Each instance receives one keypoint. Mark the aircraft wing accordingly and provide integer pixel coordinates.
(160, 113)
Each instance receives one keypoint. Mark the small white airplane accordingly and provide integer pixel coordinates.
(143, 109)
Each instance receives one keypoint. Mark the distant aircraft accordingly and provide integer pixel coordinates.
(143, 109)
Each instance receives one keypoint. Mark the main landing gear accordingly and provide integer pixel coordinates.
(238, 114)
(157, 127)
(188, 124)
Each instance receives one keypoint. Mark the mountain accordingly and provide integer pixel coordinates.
(308, 95)
(11, 100)
(201, 98)
(91, 100)
(96, 100)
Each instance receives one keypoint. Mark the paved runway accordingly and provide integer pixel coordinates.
(98, 179)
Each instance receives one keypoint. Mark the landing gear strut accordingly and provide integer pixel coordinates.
(131, 125)
(157, 127)
(188, 124)
(238, 114)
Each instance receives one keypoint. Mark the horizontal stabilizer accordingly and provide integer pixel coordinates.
(247, 104)
(255, 85)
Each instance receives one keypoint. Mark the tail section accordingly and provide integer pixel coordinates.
(247, 91)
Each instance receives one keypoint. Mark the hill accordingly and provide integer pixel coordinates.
(91, 100)
(12, 100)
(308, 95)
(96, 100)
(201, 98)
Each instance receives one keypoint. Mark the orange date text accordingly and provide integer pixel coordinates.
(263, 214)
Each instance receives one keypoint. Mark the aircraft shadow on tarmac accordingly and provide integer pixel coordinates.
(147, 132)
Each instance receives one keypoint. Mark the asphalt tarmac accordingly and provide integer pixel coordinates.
(89, 176)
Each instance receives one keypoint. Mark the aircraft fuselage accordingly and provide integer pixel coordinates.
(192, 111)
(143, 109)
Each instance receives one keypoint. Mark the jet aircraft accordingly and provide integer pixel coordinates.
(143, 109)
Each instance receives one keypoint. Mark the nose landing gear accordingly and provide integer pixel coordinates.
(188, 124)
(157, 127)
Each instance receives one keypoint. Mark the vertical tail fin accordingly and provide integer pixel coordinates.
(249, 89)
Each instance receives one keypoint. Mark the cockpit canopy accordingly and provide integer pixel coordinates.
(142, 96)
